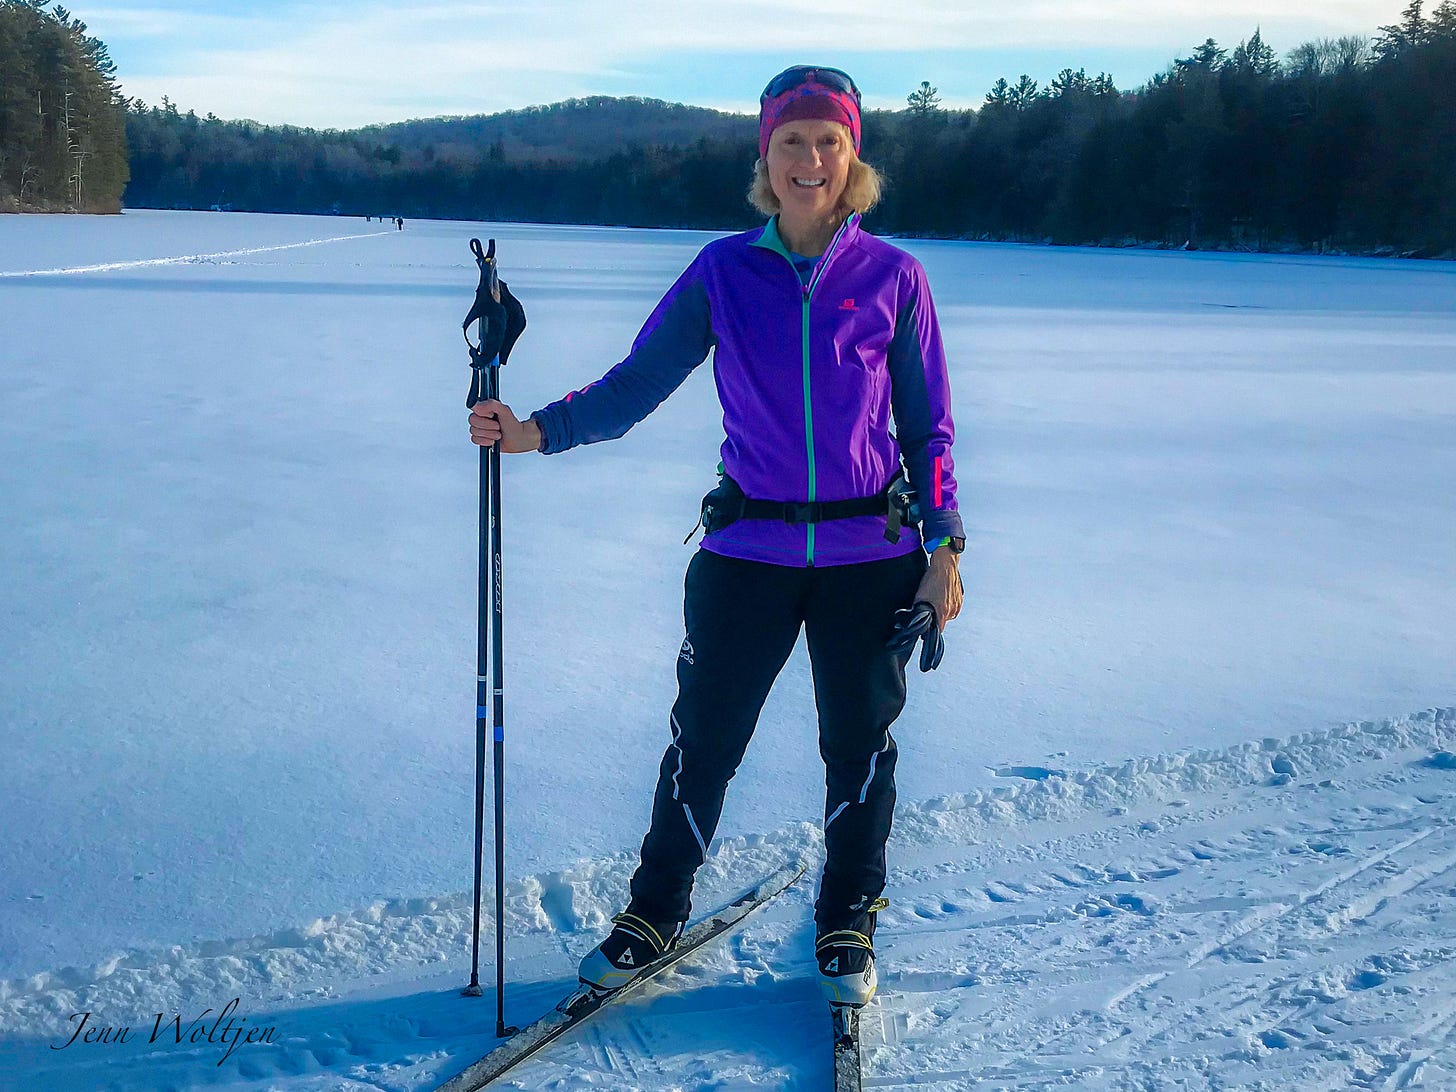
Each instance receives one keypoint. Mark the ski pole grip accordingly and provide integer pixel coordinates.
(501, 316)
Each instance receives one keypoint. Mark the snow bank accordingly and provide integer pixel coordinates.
(387, 936)
(966, 816)
(312, 960)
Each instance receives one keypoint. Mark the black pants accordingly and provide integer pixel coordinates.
(743, 619)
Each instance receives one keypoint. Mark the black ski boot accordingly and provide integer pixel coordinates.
(847, 961)
(632, 944)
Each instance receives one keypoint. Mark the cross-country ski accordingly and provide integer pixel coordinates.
(584, 1003)
(844, 1026)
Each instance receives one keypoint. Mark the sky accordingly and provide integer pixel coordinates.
(327, 63)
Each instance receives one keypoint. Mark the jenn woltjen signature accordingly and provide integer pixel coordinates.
(223, 1030)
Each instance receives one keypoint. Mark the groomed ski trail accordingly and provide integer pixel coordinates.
(1278, 914)
(183, 259)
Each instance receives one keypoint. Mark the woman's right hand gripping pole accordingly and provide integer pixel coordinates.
(492, 422)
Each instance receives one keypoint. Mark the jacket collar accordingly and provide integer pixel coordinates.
(770, 239)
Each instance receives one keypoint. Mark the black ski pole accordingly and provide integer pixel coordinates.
(501, 321)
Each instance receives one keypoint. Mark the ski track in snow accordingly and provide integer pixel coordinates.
(182, 259)
(1279, 914)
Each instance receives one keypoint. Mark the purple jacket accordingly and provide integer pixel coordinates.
(808, 377)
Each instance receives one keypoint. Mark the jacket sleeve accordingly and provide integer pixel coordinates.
(675, 339)
(920, 399)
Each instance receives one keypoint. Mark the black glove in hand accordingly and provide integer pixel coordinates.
(918, 623)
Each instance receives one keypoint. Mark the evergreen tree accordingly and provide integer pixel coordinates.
(1254, 58)
(1066, 82)
(62, 135)
(925, 101)
(1023, 94)
(1411, 32)
(999, 96)
(1206, 58)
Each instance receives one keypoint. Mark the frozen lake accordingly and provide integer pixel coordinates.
(1208, 499)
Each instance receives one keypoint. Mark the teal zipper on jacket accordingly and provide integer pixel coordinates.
(809, 418)
(770, 240)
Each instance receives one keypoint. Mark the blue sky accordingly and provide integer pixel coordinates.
(330, 63)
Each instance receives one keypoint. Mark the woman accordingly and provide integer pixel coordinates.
(820, 334)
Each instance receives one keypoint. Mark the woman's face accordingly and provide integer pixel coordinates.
(808, 166)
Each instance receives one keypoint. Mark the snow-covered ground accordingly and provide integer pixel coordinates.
(1279, 914)
(1209, 502)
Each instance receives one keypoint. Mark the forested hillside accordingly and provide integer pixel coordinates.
(576, 129)
(1345, 144)
(62, 128)
(607, 161)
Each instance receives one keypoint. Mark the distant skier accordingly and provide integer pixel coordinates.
(398, 224)
(821, 333)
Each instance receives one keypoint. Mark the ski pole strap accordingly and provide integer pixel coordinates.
(501, 318)
(479, 385)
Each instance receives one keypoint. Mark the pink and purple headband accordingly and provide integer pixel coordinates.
(807, 92)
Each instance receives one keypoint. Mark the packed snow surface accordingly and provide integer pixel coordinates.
(1207, 499)
(1280, 914)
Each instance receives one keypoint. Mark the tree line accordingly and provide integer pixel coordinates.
(586, 128)
(1346, 144)
(1343, 144)
(62, 120)
(636, 162)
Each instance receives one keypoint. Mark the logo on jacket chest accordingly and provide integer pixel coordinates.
(847, 304)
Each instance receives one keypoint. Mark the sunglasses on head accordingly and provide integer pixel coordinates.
(790, 78)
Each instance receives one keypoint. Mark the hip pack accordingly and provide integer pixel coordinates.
(727, 504)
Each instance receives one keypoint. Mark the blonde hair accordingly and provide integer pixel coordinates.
(861, 191)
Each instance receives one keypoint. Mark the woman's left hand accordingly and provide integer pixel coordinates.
(941, 585)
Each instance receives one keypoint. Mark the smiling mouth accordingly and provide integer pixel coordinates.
(809, 183)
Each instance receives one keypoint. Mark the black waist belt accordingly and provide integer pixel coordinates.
(814, 511)
(727, 505)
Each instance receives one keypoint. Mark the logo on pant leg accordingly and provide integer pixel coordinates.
(686, 652)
